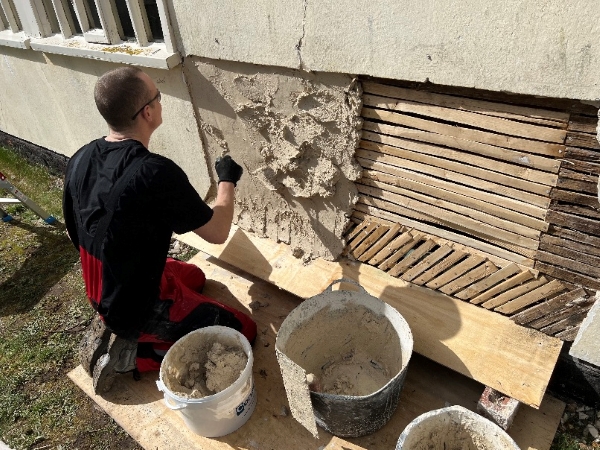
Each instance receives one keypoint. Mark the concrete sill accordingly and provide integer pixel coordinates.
(17, 40)
(154, 55)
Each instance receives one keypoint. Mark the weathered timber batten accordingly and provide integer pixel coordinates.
(490, 198)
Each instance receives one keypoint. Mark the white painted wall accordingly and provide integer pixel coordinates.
(48, 100)
(539, 47)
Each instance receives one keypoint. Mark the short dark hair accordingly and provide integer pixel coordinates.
(118, 94)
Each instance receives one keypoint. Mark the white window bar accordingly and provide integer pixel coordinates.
(41, 18)
(165, 22)
(108, 14)
(65, 21)
(139, 20)
(11, 16)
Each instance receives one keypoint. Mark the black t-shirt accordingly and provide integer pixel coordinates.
(156, 201)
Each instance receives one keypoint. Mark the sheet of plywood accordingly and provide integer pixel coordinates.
(138, 407)
(458, 335)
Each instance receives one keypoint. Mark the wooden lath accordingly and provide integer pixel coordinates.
(513, 180)
(493, 283)
(479, 168)
(570, 248)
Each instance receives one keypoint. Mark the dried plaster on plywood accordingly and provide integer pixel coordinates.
(295, 134)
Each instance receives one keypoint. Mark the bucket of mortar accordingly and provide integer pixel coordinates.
(356, 350)
(218, 414)
(454, 427)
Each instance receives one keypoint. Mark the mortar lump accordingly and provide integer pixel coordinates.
(223, 367)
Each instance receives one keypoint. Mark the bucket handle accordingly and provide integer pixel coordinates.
(168, 401)
(345, 280)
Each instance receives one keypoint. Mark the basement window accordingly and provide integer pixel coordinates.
(11, 31)
(125, 31)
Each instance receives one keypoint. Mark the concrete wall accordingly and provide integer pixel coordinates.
(548, 48)
(48, 100)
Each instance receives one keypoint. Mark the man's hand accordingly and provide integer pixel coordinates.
(228, 169)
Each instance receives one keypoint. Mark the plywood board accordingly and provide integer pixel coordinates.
(458, 335)
(138, 407)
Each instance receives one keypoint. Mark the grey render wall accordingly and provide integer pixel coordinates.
(548, 48)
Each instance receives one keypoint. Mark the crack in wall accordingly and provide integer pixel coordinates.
(300, 41)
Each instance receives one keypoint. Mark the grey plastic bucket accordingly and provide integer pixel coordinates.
(345, 415)
(454, 427)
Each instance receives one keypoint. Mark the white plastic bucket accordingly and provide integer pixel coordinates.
(454, 427)
(221, 413)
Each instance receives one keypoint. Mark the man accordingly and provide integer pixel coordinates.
(121, 205)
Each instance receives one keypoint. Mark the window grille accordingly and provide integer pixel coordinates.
(132, 27)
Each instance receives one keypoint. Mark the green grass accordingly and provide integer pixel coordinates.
(43, 313)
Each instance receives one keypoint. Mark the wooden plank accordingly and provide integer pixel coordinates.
(488, 282)
(457, 158)
(357, 229)
(575, 139)
(585, 211)
(381, 243)
(573, 222)
(536, 147)
(441, 267)
(520, 113)
(455, 271)
(446, 330)
(547, 290)
(476, 274)
(575, 197)
(582, 154)
(369, 241)
(414, 208)
(371, 226)
(548, 307)
(489, 209)
(567, 172)
(542, 163)
(499, 201)
(467, 243)
(515, 292)
(401, 252)
(427, 262)
(581, 166)
(388, 249)
(403, 158)
(573, 235)
(570, 253)
(450, 202)
(568, 263)
(583, 124)
(502, 287)
(565, 323)
(569, 334)
(495, 124)
(576, 185)
(584, 249)
(566, 275)
(571, 308)
(412, 258)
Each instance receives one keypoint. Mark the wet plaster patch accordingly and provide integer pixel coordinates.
(295, 134)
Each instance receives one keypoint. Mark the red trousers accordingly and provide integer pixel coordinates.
(180, 309)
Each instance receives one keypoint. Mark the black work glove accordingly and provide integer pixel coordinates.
(228, 169)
